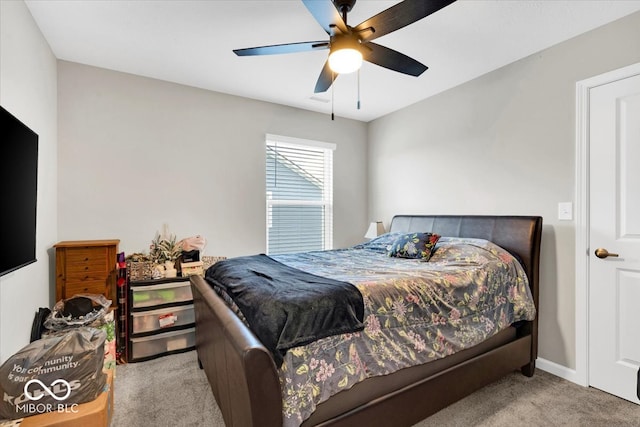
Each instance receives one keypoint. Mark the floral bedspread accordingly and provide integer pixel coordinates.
(415, 312)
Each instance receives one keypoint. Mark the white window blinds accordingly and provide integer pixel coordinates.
(299, 177)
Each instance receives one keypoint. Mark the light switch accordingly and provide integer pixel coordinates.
(565, 211)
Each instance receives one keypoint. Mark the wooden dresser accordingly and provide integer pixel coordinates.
(86, 266)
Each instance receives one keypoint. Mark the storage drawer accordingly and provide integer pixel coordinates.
(165, 293)
(156, 345)
(87, 277)
(86, 287)
(83, 268)
(99, 255)
(155, 320)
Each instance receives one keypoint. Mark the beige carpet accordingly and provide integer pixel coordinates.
(173, 391)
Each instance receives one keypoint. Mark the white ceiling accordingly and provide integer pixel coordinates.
(191, 43)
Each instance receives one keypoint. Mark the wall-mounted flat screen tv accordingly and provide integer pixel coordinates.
(18, 193)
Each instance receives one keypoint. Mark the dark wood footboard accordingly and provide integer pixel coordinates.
(244, 379)
(240, 369)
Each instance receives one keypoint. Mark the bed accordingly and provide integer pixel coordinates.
(245, 377)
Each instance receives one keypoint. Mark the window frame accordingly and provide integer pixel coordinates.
(327, 188)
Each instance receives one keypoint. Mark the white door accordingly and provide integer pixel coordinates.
(614, 218)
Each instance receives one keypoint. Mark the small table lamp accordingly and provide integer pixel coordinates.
(375, 229)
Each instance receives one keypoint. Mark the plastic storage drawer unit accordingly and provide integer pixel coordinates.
(156, 320)
(164, 293)
(156, 345)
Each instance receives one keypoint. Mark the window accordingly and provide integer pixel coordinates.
(299, 195)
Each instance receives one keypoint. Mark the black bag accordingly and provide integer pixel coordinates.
(190, 256)
(77, 308)
(38, 323)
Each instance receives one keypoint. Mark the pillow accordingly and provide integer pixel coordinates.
(414, 245)
(380, 243)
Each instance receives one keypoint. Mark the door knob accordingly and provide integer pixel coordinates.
(603, 253)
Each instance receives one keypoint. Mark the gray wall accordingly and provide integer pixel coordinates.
(503, 143)
(28, 91)
(137, 153)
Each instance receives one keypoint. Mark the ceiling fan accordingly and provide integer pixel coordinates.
(349, 46)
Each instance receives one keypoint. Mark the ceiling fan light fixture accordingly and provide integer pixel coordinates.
(344, 54)
(345, 61)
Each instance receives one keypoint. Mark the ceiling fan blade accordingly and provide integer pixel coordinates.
(398, 16)
(326, 14)
(283, 48)
(325, 80)
(391, 59)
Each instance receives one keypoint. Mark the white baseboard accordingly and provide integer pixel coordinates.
(558, 370)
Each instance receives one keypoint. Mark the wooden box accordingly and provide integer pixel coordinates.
(192, 268)
(97, 413)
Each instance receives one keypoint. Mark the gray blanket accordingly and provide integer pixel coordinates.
(286, 307)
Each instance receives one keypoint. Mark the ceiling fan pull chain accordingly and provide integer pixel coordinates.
(333, 78)
(358, 88)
